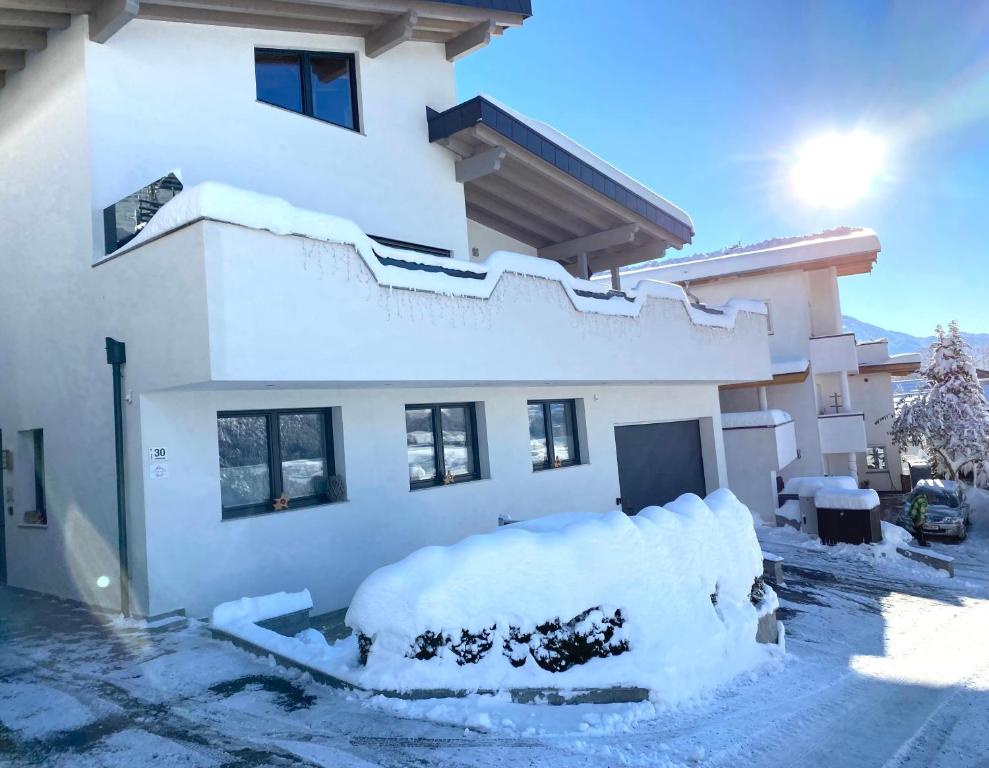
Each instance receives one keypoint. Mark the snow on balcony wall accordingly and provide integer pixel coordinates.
(842, 433)
(833, 354)
(288, 288)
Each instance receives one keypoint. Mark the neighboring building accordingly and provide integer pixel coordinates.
(301, 403)
(834, 390)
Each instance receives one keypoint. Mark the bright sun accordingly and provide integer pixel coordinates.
(836, 170)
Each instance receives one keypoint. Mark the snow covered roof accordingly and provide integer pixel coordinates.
(595, 161)
(529, 181)
(874, 357)
(852, 249)
(400, 268)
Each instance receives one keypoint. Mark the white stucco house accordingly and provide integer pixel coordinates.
(291, 243)
(820, 412)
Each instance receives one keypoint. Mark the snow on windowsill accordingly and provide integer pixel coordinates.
(747, 419)
(213, 201)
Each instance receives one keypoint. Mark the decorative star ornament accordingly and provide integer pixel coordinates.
(281, 503)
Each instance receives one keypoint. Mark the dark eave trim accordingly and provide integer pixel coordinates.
(521, 7)
(479, 110)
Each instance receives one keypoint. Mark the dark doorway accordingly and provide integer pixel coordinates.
(658, 462)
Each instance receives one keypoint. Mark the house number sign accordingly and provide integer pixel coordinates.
(159, 463)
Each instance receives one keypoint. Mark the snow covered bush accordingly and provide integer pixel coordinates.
(667, 600)
(950, 418)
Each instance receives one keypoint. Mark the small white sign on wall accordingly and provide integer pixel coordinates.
(159, 463)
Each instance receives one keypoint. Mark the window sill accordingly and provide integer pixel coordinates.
(538, 470)
(877, 471)
(267, 512)
(33, 525)
(357, 131)
(418, 488)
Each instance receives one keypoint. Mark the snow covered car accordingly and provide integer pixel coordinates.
(947, 515)
(950, 488)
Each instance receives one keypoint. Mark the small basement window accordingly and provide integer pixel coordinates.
(442, 444)
(320, 85)
(553, 434)
(276, 460)
(875, 459)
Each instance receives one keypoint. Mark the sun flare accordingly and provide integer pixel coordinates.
(836, 170)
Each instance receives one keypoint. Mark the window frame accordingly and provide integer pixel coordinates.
(571, 409)
(885, 459)
(305, 77)
(40, 497)
(275, 480)
(439, 460)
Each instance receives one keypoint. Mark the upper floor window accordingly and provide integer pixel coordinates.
(321, 85)
(875, 458)
(276, 460)
(553, 433)
(442, 444)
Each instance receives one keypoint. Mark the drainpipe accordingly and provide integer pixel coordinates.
(116, 356)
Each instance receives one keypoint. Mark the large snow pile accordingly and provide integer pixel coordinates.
(249, 610)
(660, 600)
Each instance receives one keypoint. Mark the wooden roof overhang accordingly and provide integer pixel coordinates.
(462, 26)
(893, 368)
(528, 187)
(782, 378)
(859, 263)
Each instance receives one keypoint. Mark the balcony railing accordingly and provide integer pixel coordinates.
(842, 432)
(834, 354)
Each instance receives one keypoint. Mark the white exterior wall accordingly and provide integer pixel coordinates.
(789, 306)
(873, 395)
(52, 356)
(790, 302)
(197, 560)
(825, 302)
(754, 455)
(487, 241)
(167, 96)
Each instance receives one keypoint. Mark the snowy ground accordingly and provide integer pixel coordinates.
(888, 666)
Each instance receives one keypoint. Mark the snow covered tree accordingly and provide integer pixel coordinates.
(950, 418)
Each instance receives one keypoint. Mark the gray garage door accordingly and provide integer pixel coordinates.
(658, 462)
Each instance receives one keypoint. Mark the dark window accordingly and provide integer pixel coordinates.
(125, 218)
(442, 444)
(405, 245)
(272, 460)
(553, 433)
(321, 85)
(875, 459)
(40, 503)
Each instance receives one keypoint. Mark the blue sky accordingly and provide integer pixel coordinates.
(706, 103)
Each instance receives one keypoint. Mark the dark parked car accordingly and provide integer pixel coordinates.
(947, 513)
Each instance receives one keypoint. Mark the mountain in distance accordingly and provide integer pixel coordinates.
(904, 342)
